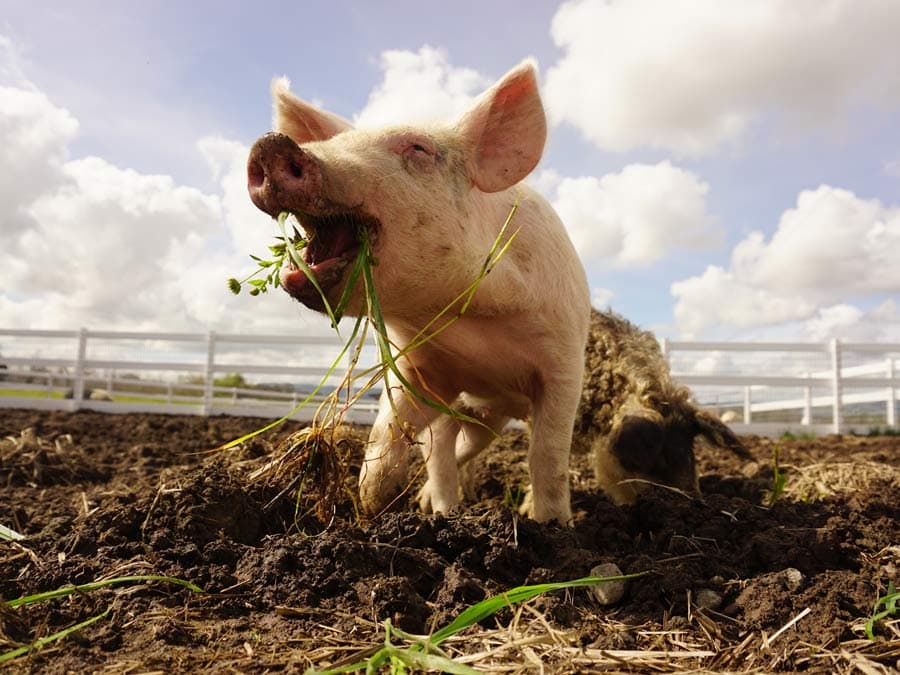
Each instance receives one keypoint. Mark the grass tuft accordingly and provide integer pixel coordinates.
(424, 652)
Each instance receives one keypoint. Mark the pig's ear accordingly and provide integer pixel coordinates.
(717, 433)
(300, 120)
(504, 131)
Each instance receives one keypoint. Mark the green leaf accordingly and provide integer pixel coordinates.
(779, 480)
(489, 606)
(420, 661)
(9, 534)
(889, 602)
(59, 635)
(87, 588)
(234, 286)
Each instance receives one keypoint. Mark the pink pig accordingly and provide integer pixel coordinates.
(433, 199)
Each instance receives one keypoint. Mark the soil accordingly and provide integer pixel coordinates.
(98, 496)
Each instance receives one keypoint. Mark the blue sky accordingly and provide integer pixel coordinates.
(724, 174)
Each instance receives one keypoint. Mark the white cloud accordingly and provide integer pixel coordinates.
(419, 86)
(831, 248)
(831, 242)
(99, 239)
(33, 134)
(636, 216)
(86, 243)
(688, 76)
(719, 297)
(601, 297)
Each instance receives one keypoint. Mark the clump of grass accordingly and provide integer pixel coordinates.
(424, 653)
(885, 607)
(779, 479)
(355, 384)
(513, 497)
(312, 461)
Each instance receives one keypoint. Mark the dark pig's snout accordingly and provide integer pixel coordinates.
(281, 176)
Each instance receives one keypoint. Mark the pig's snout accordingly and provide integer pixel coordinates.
(281, 176)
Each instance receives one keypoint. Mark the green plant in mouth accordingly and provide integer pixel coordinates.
(287, 247)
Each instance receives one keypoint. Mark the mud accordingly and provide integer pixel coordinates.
(286, 591)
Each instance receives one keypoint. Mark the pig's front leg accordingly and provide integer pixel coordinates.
(383, 473)
(447, 448)
(441, 491)
(548, 456)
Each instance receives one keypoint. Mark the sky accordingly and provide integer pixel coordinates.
(725, 170)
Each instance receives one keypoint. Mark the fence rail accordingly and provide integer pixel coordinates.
(769, 387)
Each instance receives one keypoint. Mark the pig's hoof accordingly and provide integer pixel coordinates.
(376, 497)
(546, 513)
(424, 498)
(432, 500)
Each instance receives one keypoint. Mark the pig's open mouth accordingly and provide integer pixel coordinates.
(333, 244)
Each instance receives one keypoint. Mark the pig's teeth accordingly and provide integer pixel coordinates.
(308, 230)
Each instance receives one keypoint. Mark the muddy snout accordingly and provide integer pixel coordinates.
(281, 176)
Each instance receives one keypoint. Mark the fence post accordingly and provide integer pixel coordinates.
(170, 390)
(209, 372)
(807, 404)
(837, 393)
(664, 347)
(748, 416)
(109, 381)
(78, 384)
(892, 397)
(49, 393)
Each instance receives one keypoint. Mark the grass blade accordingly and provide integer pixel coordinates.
(59, 635)
(87, 588)
(418, 656)
(889, 602)
(301, 404)
(417, 660)
(301, 263)
(10, 534)
(489, 606)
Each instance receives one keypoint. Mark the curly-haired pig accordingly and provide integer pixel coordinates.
(640, 425)
(433, 199)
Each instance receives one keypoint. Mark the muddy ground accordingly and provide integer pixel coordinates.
(140, 494)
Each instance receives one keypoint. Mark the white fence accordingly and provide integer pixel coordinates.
(169, 373)
(826, 387)
(768, 388)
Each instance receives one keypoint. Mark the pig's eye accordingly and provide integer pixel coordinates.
(418, 157)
